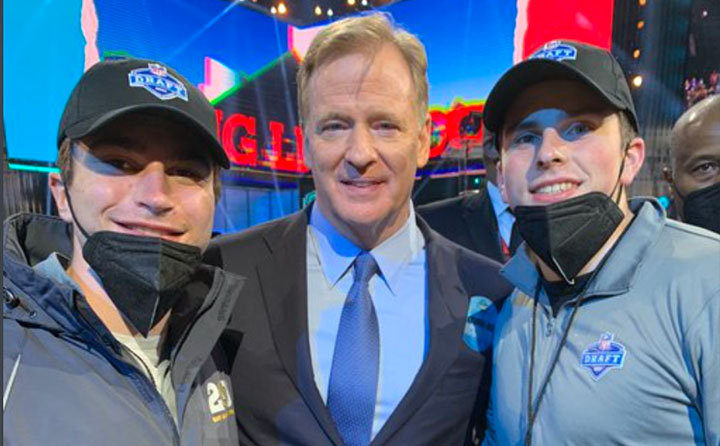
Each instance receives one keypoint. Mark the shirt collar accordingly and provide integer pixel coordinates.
(620, 269)
(336, 253)
(498, 204)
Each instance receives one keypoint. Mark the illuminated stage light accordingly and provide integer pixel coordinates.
(637, 81)
(636, 54)
(641, 24)
(364, 2)
(318, 10)
(705, 13)
(351, 2)
(282, 9)
(642, 2)
(273, 10)
(330, 12)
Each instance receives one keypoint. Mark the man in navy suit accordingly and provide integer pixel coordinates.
(365, 326)
(479, 221)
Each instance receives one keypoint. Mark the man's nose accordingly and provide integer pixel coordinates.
(153, 189)
(361, 150)
(552, 149)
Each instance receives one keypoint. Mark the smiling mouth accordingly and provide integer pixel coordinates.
(360, 183)
(555, 188)
(150, 231)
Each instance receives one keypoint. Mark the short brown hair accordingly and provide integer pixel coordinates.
(627, 130)
(364, 34)
(64, 163)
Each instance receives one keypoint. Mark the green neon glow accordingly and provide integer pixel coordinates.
(252, 77)
(31, 168)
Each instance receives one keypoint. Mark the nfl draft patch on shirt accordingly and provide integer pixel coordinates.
(159, 82)
(602, 356)
(481, 318)
(556, 51)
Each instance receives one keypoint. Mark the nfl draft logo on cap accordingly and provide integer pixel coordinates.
(159, 82)
(556, 50)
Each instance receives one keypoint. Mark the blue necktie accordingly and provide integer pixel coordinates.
(354, 374)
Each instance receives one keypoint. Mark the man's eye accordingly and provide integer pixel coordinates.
(577, 130)
(706, 168)
(524, 138)
(386, 126)
(333, 126)
(195, 173)
(119, 165)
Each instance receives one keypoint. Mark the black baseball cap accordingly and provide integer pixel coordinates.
(561, 60)
(117, 87)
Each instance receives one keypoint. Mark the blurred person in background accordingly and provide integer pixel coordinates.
(695, 172)
(479, 221)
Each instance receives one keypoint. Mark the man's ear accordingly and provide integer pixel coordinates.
(57, 187)
(501, 181)
(634, 159)
(424, 140)
(307, 152)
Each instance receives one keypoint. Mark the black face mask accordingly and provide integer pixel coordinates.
(144, 276)
(702, 208)
(567, 234)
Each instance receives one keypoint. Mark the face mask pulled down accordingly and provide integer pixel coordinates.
(567, 234)
(143, 276)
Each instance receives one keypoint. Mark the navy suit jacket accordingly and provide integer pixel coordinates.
(276, 400)
(470, 222)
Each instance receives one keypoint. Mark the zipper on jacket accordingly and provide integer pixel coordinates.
(142, 382)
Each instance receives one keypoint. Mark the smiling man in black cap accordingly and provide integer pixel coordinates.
(110, 319)
(611, 334)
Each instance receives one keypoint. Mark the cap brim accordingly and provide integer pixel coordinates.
(526, 74)
(94, 123)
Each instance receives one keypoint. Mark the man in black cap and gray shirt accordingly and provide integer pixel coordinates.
(610, 336)
(110, 320)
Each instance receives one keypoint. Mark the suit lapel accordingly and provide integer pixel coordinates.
(286, 300)
(447, 304)
(482, 224)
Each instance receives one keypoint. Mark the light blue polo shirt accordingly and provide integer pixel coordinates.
(399, 294)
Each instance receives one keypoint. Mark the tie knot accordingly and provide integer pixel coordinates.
(365, 267)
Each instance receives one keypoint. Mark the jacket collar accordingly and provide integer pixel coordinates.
(31, 238)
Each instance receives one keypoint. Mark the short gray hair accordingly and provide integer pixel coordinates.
(364, 34)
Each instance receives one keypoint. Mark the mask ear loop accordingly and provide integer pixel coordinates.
(66, 186)
(617, 182)
(615, 200)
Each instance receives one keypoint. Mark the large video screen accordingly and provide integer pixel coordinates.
(245, 62)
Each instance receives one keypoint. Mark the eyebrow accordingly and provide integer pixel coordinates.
(120, 141)
(185, 153)
(522, 124)
(684, 161)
